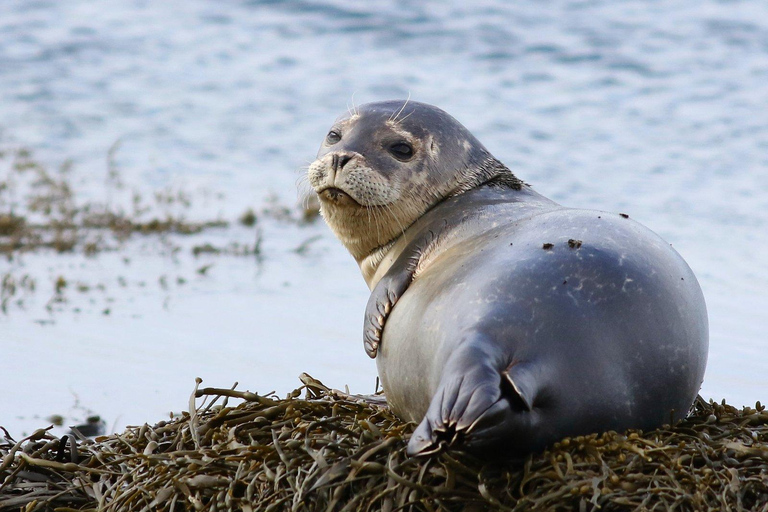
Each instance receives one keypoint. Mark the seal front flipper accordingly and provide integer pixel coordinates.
(479, 400)
(380, 303)
(392, 286)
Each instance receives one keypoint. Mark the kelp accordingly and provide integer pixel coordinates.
(321, 449)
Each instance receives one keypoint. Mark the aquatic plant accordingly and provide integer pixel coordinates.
(330, 450)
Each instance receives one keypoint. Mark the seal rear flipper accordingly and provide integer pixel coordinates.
(477, 407)
(458, 404)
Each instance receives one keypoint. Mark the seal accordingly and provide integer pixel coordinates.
(500, 320)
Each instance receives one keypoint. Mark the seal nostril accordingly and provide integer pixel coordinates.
(342, 160)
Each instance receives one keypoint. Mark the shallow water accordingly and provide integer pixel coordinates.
(653, 109)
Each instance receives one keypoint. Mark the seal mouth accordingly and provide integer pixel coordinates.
(337, 196)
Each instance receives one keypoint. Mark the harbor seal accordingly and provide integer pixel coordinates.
(500, 320)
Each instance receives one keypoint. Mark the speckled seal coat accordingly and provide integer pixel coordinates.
(500, 320)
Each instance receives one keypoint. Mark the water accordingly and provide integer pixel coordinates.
(656, 109)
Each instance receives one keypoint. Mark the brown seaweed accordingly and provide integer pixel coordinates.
(329, 450)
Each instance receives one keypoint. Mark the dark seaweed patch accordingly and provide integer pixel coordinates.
(329, 450)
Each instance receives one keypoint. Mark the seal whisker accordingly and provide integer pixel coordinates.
(303, 187)
(395, 216)
(306, 198)
(378, 216)
(394, 117)
(372, 215)
(402, 213)
(406, 117)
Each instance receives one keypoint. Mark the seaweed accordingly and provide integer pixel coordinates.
(329, 450)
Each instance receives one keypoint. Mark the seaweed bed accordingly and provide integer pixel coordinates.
(329, 450)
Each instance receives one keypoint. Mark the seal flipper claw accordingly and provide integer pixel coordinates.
(422, 442)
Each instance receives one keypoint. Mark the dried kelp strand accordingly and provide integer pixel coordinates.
(335, 451)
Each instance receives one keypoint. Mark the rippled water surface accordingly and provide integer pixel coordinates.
(656, 109)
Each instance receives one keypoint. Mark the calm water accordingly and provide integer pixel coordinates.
(656, 109)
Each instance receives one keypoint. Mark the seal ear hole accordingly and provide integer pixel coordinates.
(401, 150)
(432, 146)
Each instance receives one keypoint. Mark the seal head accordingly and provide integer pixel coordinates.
(381, 167)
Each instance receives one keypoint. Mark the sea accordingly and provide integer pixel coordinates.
(656, 109)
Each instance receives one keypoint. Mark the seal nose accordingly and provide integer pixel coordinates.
(339, 161)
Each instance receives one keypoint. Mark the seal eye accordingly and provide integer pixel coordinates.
(333, 137)
(401, 150)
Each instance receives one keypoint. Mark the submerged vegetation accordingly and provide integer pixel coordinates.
(40, 209)
(329, 450)
(44, 210)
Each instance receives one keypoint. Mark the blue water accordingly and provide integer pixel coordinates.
(656, 109)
